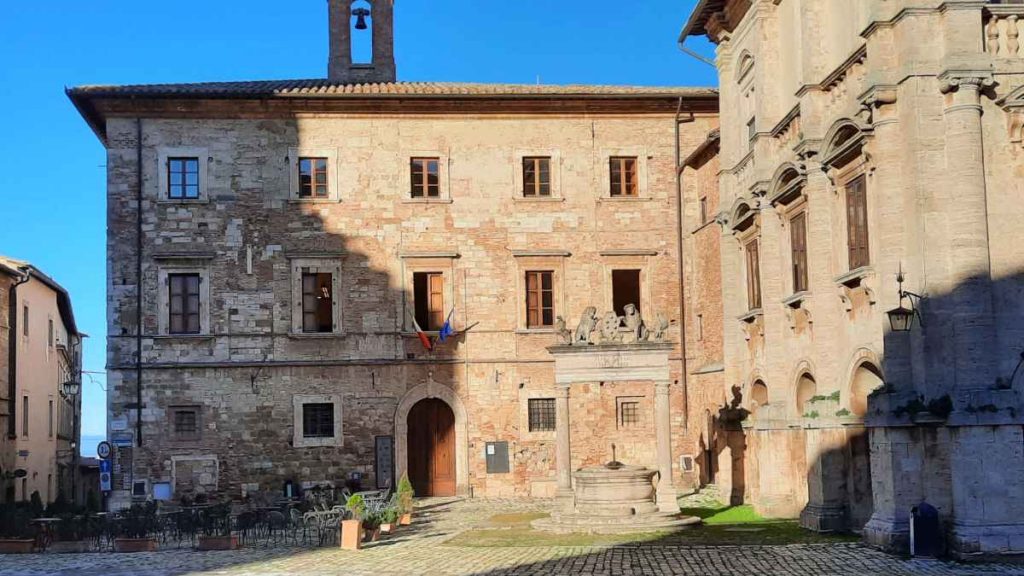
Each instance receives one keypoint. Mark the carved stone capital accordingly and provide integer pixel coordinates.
(973, 81)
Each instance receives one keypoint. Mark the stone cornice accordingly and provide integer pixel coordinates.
(837, 75)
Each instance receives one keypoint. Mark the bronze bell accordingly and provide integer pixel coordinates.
(361, 14)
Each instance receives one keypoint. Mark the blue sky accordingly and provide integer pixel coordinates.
(52, 167)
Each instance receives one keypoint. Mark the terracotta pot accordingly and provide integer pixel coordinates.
(135, 545)
(16, 546)
(351, 534)
(207, 543)
(406, 519)
(387, 528)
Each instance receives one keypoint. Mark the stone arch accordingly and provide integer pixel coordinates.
(842, 142)
(758, 395)
(788, 177)
(448, 396)
(746, 65)
(742, 214)
(864, 377)
(806, 388)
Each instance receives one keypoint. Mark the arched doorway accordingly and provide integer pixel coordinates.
(431, 445)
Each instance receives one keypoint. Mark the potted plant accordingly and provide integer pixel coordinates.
(17, 535)
(136, 529)
(215, 529)
(405, 495)
(352, 527)
(389, 520)
(371, 527)
(71, 533)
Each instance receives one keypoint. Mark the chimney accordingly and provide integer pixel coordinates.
(381, 68)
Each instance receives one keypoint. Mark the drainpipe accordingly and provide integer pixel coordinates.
(679, 121)
(138, 282)
(12, 348)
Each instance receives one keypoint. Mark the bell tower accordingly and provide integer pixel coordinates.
(349, 18)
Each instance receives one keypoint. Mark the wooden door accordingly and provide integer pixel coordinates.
(431, 446)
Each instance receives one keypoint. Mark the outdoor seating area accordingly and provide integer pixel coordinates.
(313, 518)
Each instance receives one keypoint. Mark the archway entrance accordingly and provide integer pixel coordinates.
(431, 445)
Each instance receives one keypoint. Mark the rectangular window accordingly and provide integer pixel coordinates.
(541, 414)
(629, 414)
(428, 297)
(625, 290)
(798, 248)
(183, 303)
(317, 302)
(751, 130)
(704, 210)
(49, 422)
(49, 337)
(185, 423)
(540, 300)
(318, 420)
(537, 176)
(183, 178)
(857, 222)
(24, 415)
(426, 177)
(623, 176)
(700, 327)
(24, 320)
(313, 178)
(753, 276)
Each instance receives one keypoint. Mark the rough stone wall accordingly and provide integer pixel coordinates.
(379, 236)
(926, 104)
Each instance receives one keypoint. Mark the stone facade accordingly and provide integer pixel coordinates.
(249, 236)
(890, 132)
(7, 452)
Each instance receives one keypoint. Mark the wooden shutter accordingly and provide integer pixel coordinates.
(857, 223)
(753, 276)
(436, 302)
(798, 247)
(540, 306)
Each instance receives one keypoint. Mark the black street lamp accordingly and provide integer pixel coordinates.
(901, 319)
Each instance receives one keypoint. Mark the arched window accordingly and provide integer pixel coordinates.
(866, 379)
(806, 388)
(758, 396)
(362, 32)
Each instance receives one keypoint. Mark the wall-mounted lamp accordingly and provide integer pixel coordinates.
(70, 389)
(901, 319)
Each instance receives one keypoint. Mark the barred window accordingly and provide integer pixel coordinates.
(185, 423)
(629, 413)
(542, 414)
(318, 420)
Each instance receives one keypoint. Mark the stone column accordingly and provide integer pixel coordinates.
(663, 431)
(967, 284)
(563, 457)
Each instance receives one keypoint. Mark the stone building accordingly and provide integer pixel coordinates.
(41, 356)
(869, 140)
(272, 247)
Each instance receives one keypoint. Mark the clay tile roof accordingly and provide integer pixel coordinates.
(327, 89)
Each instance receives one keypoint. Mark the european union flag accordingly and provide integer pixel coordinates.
(447, 331)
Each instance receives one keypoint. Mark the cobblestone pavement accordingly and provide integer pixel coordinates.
(420, 551)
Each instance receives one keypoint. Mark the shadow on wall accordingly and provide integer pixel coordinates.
(310, 295)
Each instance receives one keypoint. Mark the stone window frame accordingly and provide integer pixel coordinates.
(746, 229)
(555, 156)
(539, 261)
(603, 162)
(640, 260)
(643, 420)
(439, 262)
(164, 154)
(525, 434)
(164, 270)
(176, 436)
(300, 441)
(325, 264)
(334, 174)
(789, 212)
(443, 171)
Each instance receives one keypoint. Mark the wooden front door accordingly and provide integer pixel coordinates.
(432, 448)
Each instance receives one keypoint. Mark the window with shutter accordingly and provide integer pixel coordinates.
(317, 302)
(428, 298)
(540, 302)
(753, 276)
(857, 223)
(798, 248)
(183, 303)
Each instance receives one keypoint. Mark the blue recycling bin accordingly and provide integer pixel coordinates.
(925, 536)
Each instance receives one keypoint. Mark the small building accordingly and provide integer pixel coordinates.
(276, 246)
(43, 382)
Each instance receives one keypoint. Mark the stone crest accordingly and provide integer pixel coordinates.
(613, 329)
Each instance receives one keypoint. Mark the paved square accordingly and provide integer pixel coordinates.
(422, 550)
